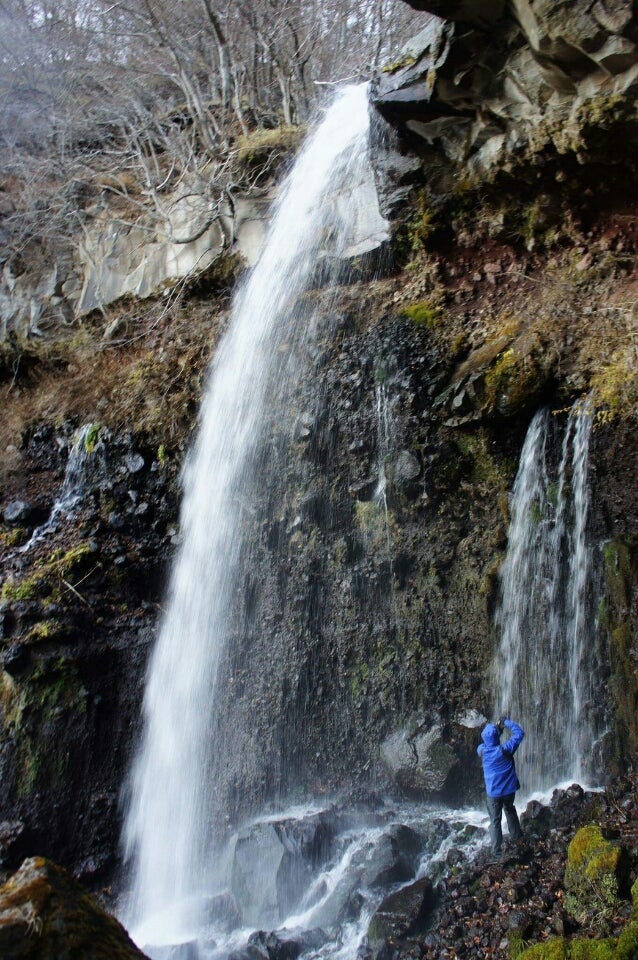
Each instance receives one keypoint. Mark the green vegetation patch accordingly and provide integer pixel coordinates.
(32, 708)
(14, 538)
(615, 386)
(624, 947)
(594, 868)
(424, 314)
(53, 576)
(91, 437)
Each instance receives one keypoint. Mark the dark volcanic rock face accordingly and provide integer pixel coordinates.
(508, 86)
(79, 610)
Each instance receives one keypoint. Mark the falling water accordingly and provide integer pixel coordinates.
(86, 461)
(547, 658)
(167, 828)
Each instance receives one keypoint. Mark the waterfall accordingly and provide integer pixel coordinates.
(545, 668)
(167, 827)
(86, 461)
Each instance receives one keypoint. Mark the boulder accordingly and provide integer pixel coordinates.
(402, 914)
(394, 858)
(222, 911)
(18, 511)
(597, 872)
(286, 945)
(45, 915)
(272, 864)
(406, 468)
(419, 761)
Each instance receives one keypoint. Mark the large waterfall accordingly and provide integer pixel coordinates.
(547, 662)
(167, 828)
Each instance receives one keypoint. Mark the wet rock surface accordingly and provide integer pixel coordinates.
(79, 607)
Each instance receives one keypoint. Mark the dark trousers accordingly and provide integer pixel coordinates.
(495, 807)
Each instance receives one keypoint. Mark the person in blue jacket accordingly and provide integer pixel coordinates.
(501, 782)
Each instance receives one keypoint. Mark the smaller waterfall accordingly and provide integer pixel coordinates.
(548, 658)
(384, 447)
(86, 458)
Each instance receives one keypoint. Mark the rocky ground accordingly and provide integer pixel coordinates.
(494, 910)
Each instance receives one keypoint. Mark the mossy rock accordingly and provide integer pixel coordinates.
(53, 577)
(627, 947)
(424, 314)
(609, 948)
(514, 382)
(550, 950)
(45, 915)
(596, 872)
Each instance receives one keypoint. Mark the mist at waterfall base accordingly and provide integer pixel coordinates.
(549, 659)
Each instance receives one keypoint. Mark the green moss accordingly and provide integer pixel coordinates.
(373, 522)
(618, 573)
(592, 950)
(550, 950)
(424, 314)
(91, 437)
(615, 386)
(52, 576)
(497, 378)
(28, 589)
(586, 842)
(624, 948)
(511, 382)
(592, 875)
(14, 538)
(46, 630)
(422, 224)
(516, 944)
(627, 948)
(486, 470)
(36, 704)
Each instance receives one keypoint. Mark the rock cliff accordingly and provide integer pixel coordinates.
(364, 624)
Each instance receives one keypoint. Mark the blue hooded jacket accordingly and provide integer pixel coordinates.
(498, 767)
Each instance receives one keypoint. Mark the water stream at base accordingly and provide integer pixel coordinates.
(548, 656)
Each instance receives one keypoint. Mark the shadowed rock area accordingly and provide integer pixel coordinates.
(45, 915)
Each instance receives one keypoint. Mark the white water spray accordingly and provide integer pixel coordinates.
(167, 829)
(547, 659)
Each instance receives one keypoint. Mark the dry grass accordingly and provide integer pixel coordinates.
(148, 383)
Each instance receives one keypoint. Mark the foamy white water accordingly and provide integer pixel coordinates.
(167, 829)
